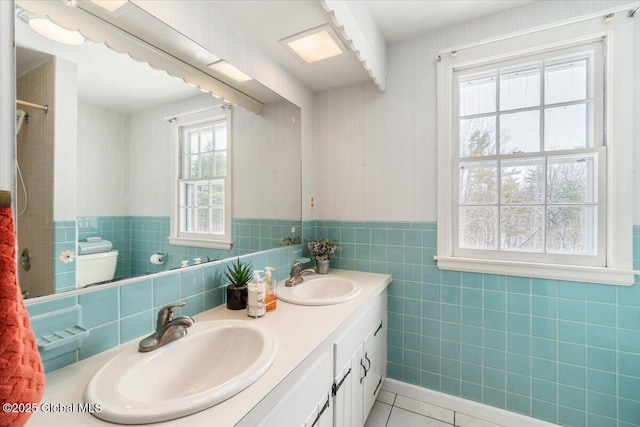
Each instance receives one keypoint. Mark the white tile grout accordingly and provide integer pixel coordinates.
(436, 413)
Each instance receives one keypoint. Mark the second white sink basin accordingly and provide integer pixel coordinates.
(215, 361)
(320, 290)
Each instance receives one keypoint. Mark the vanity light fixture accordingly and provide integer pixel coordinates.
(51, 30)
(229, 70)
(315, 44)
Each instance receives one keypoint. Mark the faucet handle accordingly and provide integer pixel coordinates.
(296, 266)
(165, 314)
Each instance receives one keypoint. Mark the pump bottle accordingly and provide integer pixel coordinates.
(255, 300)
(270, 288)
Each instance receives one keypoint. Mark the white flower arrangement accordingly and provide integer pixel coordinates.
(323, 249)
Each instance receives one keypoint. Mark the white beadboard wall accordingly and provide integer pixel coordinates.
(376, 153)
(197, 21)
(65, 111)
(102, 161)
(267, 144)
(266, 161)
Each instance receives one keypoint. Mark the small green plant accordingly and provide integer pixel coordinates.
(238, 274)
(323, 249)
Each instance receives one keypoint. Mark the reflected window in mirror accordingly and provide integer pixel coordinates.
(203, 197)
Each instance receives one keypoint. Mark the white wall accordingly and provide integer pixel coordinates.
(201, 24)
(151, 152)
(384, 145)
(266, 159)
(65, 112)
(102, 161)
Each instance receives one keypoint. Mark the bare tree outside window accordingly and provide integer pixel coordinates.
(520, 187)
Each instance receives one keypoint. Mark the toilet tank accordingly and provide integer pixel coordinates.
(95, 268)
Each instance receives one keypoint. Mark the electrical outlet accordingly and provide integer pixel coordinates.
(312, 203)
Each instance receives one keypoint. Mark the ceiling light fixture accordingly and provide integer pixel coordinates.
(229, 70)
(110, 5)
(315, 44)
(50, 30)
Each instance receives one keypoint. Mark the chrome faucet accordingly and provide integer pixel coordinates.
(167, 329)
(296, 274)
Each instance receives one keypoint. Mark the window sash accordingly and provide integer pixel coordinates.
(595, 146)
(543, 255)
(205, 162)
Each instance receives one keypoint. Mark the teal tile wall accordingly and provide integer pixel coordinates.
(138, 237)
(565, 352)
(149, 235)
(116, 229)
(64, 239)
(115, 314)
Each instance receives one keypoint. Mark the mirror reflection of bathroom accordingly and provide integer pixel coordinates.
(98, 185)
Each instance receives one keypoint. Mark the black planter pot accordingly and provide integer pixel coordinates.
(237, 298)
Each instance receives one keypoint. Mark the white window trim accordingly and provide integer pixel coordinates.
(212, 242)
(618, 38)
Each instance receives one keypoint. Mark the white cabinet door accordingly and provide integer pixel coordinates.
(360, 352)
(322, 416)
(347, 408)
(374, 362)
(301, 404)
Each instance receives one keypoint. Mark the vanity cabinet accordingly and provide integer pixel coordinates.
(307, 401)
(360, 360)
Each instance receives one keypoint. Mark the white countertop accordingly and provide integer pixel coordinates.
(298, 329)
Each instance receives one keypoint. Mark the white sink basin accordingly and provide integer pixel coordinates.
(320, 290)
(213, 362)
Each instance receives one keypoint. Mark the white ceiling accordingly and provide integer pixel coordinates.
(266, 22)
(404, 19)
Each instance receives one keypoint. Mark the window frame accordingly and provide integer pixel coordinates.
(180, 125)
(616, 36)
(595, 99)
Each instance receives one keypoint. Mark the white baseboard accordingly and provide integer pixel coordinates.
(458, 404)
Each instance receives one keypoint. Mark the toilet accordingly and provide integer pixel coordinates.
(96, 268)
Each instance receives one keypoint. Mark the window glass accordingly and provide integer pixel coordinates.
(514, 193)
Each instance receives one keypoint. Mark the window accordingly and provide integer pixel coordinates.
(525, 169)
(203, 195)
(530, 153)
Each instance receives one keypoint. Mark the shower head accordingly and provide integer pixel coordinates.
(20, 118)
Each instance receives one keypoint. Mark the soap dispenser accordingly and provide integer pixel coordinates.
(270, 289)
(256, 297)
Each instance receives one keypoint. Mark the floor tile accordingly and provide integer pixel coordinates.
(379, 415)
(464, 420)
(402, 418)
(386, 397)
(424, 408)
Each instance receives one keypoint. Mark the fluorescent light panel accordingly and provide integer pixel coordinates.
(55, 32)
(229, 71)
(315, 44)
(110, 5)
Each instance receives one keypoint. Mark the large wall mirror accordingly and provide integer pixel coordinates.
(97, 172)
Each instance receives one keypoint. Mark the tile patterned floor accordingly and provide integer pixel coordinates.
(394, 410)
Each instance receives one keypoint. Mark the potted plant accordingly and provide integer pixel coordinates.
(322, 251)
(238, 276)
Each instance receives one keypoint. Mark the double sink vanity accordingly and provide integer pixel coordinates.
(318, 359)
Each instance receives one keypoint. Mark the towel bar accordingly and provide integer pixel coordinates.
(5, 199)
